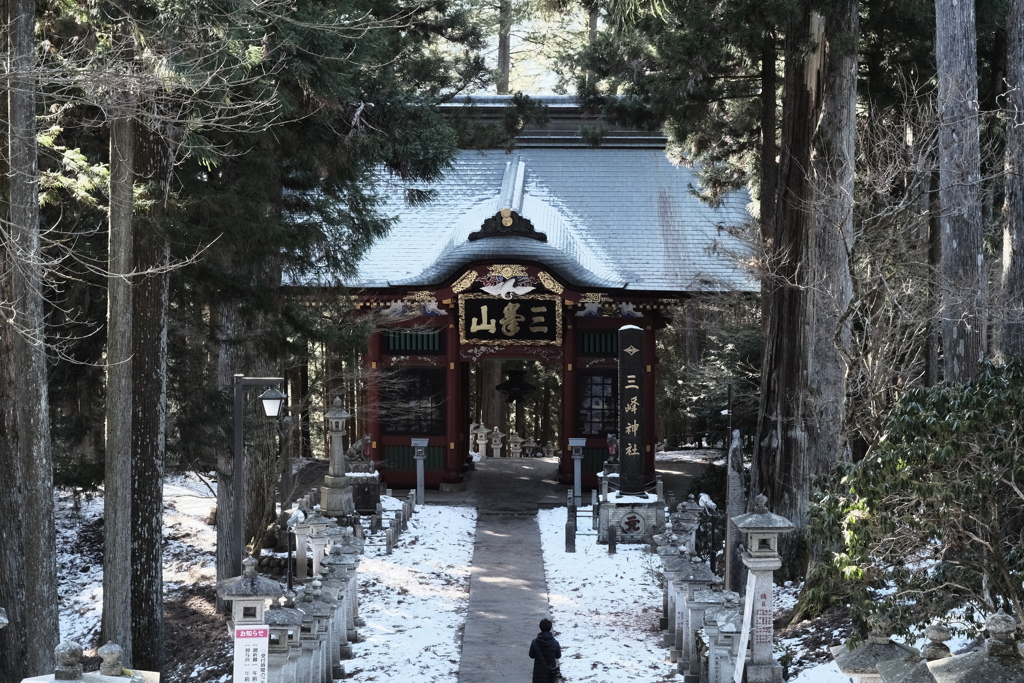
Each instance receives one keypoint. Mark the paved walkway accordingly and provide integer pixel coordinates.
(507, 589)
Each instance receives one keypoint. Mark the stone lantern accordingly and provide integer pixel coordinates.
(248, 594)
(336, 493)
(761, 557)
(317, 521)
(496, 438)
(480, 433)
(285, 623)
(530, 448)
(515, 446)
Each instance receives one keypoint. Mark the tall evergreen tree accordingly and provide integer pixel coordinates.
(1013, 209)
(30, 581)
(964, 280)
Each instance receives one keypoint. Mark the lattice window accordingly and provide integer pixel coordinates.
(598, 404)
(414, 341)
(414, 402)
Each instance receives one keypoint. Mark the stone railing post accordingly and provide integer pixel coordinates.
(301, 562)
(69, 661)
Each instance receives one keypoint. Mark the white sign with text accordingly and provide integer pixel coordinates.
(251, 654)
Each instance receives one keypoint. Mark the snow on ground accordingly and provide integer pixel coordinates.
(605, 608)
(415, 601)
(701, 456)
(189, 550)
(79, 566)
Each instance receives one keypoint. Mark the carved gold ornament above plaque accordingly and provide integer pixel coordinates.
(593, 298)
(465, 282)
(550, 283)
(506, 270)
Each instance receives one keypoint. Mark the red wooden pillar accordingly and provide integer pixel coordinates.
(650, 396)
(570, 406)
(453, 405)
(374, 358)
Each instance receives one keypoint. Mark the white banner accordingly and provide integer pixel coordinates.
(251, 654)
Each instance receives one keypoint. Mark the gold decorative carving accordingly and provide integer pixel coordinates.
(506, 217)
(550, 283)
(465, 282)
(420, 297)
(593, 298)
(506, 270)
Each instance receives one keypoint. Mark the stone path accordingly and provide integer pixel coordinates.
(507, 589)
(507, 599)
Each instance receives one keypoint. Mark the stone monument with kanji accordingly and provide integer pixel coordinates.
(635, 514)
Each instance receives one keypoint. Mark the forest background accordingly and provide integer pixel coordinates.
(167, 164)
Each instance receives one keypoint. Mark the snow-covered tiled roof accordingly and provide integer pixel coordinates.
(613, 218)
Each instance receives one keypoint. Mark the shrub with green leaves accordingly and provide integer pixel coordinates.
(933, 519)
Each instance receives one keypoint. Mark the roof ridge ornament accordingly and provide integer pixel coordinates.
(507, 223)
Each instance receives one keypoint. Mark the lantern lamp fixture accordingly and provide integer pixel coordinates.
(272, 401)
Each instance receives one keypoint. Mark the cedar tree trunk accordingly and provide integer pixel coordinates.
(1013, 210)
(28, 354)
(963, 266)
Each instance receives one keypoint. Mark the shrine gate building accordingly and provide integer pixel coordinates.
(539, 254)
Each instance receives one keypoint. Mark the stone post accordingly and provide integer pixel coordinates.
(111, 656)
(319, 541)
(577, 468)
(761, 558)
(736, 503)
(301, 535)
(1000, 660)
(864, 662)
(69, 661)
(420, 455)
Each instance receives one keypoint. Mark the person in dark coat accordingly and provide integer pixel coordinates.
(545, 653)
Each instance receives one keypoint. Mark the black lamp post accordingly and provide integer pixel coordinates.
(272, 400)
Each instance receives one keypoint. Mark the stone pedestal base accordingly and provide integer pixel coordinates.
(635, 519)
(336, 497)
(365, 491)
(764, 673)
